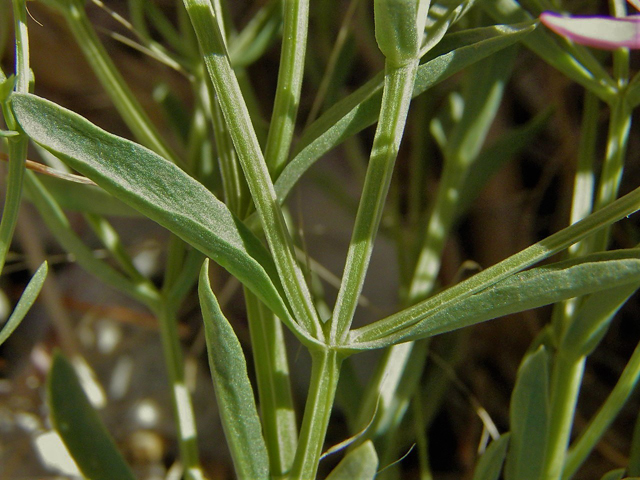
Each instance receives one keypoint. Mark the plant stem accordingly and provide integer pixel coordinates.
(274, 386)
(325, 372)
(59, 225)
(343, 34)
(119, 92)
(613, 165)
(253, 164)
(285, 108)
(17, 145)
(398, 87)
(566, 379)
(605, 416)
(180, 396)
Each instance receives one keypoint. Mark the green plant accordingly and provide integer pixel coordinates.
(250, 234)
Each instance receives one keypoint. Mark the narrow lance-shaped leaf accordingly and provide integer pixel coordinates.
(617, 474)
(593, 319)
(235, 397)
(530, 289)
(26, 301)
(158, 189)
(489, 465)
(80, 427)
(529, 417)
(359, 464)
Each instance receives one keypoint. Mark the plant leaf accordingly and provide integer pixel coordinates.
(490, 463)
(80, 427)
(593, 318)
(235, 397)
(85, 198)
(26, 301)
(361, 108)
(156, 188)
(522, 291)
(575, 61)
(361, 463)
(617, 474)
(529, 417)
(495, 156)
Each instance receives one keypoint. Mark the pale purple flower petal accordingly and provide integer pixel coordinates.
(607, 33)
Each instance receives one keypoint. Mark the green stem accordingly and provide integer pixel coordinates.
(323, 88)
(119, 92)
(613, 165)
(605, 416)
(566, 379)
(564, 392)
(274, 386)
(180, 396)
(253, 164)
(285, 108)
(236, 194)
(17, 157)
(325, 372)
(17, 145)
(59, 225)
(398, 87)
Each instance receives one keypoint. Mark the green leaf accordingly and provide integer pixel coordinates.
(362, 107)
(257, 36)
(575, 61)
(522, 291)
(235, 397)
(26, 301)
(156, 188)
(529, 417)
(617, 474)
(492, 158)
(360, 463)
(489, 465)
(80, 427)
(593, 318)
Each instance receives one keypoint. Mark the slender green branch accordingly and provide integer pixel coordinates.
(398, 87)
(253, 164)
(180, 396)
(274, 385)
(568, 368)
(332, 62)
(566, 379)
(285, 108)
(123, 99)
(613, 165)
(58, 224)
(17, 145)
(325, 372)
(605, 416)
